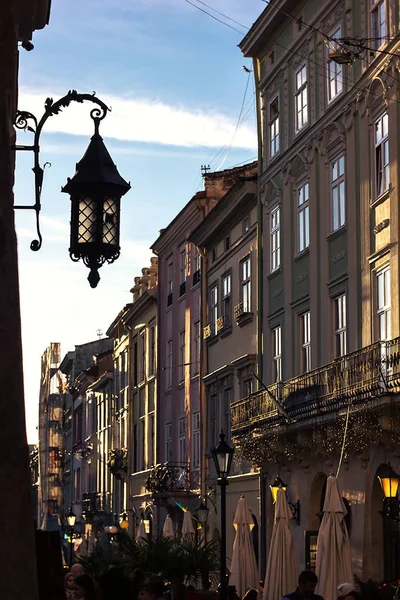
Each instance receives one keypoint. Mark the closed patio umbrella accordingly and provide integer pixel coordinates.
(244, 571)
(187, 525)
(333, 544)
(168, 528)
(141, 532)
(282, 565)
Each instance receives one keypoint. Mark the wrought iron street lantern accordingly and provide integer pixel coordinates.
(389, 481)
(71, 520)
(95, 189)
(202, 513)
(223, 456)
(294, 506)
(278, 483)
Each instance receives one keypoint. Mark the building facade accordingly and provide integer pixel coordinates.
(87, 371)
(329, 126)
(19, 20)
(142, 323)
(227, 240)
(51, 441)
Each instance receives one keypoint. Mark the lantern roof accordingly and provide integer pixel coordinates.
(96, 167)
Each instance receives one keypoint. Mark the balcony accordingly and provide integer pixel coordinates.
(242, 313)
(364, 380)
(118, 462)
(168, 479)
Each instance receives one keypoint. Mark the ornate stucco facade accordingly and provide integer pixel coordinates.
(329, 125)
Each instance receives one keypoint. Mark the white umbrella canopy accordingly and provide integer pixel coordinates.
(282, 565)
(244, 571)
(168, 528)
(141, 532)
(187, 525)
(333, 544)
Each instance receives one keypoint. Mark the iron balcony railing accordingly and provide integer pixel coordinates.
(169, 477)
(363, 375)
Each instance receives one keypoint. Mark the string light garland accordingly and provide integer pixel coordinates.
(366, 425)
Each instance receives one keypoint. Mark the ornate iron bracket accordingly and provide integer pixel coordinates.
(22, 120)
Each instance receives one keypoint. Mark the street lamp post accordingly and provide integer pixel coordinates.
(223, 455)
(71, 520)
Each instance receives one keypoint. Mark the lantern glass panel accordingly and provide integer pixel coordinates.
(110, 220)
(87, 221)
(389, 486)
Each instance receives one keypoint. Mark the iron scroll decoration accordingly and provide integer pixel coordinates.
(97, 163)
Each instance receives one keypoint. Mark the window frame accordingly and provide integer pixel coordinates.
(183, 265)
(168, 442)
(381, 154)
(340, 325)
(245, 283)
(273, 129)
(301, 93)
(332, 66)
(277, 352)
(383, 310)
(182, 440)
(226, 298)
(338, 185)
(275, 235)
(170, 270)
(305, 339)
(169, 365)
(375, 14)
(303, 217)
(213, 308)
(196, 448)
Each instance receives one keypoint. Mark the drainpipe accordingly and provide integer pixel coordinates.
(260, 299)
(203, 367)
(260, 278)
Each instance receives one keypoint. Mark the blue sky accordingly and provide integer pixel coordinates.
(173, 78)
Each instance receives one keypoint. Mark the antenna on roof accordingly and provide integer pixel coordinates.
(205, 169)
(99, 333)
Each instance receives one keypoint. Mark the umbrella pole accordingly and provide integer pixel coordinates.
(223, 579)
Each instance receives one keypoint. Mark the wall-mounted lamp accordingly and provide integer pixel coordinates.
(294, 507)
(95, 189)
(389, 481)
(123, 521)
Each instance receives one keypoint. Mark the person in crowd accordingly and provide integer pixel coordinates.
(348, 591)
(151, 589)
(69, 584)
(307, 583)
(77, 569)
(114, 584)
(138, 577)
(84, 588)
(251, 594)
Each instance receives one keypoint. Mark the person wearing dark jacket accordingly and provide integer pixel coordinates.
(114, 584)
(306, 588)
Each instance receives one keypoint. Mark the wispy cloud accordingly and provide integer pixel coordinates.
(146, 120)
